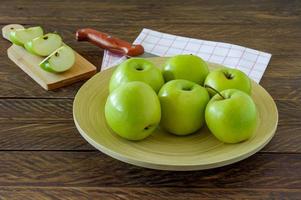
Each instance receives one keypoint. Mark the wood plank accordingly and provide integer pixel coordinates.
(64, 136)
(283, 88)
(60, 110)
(282, 80)
(233, 12)
(268, 38)
(36, 110)
(42, 136)
(47, 124)
(283, 66)
(84, 193)
(285, 61)
(94, 169)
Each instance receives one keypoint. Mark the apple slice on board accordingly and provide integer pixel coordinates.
(59, 61)
(23, 35)
(44, 45)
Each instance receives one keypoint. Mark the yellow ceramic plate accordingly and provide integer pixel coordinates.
(162, 150)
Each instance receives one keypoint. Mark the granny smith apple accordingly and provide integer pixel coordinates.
(137, 69)
(231, 116)
(59, 61)
(226, 78)
(183, 106)
(188, 67)
(21, 36)
(133, 110)
(44, 45)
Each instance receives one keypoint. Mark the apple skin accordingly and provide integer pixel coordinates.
(30, 33)
(183, 106)
(28, 47)
(233, 119)
(227, 78)
(133, 110)
(137, 69)
(187, 67)
(46, 66)
(13, 38)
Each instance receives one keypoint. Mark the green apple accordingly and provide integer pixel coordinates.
(231, 116)
(227, 78)
(183, 106)
(21, 36)
(133, 110)
(60, 60)
(188, 67)
(137, 69)
(44, 45)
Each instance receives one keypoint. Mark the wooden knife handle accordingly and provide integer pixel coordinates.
(108, 42)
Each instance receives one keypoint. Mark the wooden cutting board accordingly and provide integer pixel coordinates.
(29, 63)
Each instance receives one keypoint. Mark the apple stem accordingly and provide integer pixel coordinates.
(208, 86)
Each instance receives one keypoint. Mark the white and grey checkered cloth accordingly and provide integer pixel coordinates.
(250, 61)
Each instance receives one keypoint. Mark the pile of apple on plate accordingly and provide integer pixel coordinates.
(58, 56)
(181, 98)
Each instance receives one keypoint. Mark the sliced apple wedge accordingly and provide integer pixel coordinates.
(21, 36)
(44, 45)
(59, 61)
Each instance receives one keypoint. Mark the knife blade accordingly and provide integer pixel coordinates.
(147, 55)
(112, 44)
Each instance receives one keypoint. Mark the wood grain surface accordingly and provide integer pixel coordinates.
(42, 156)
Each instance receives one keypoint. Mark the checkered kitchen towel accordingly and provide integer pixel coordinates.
(250, 61)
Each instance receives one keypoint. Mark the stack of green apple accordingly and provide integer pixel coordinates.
(181, 98)
(59, 57)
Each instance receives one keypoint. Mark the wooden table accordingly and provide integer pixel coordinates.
(42, 154)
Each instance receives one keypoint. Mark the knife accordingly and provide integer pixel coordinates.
(112, 44)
